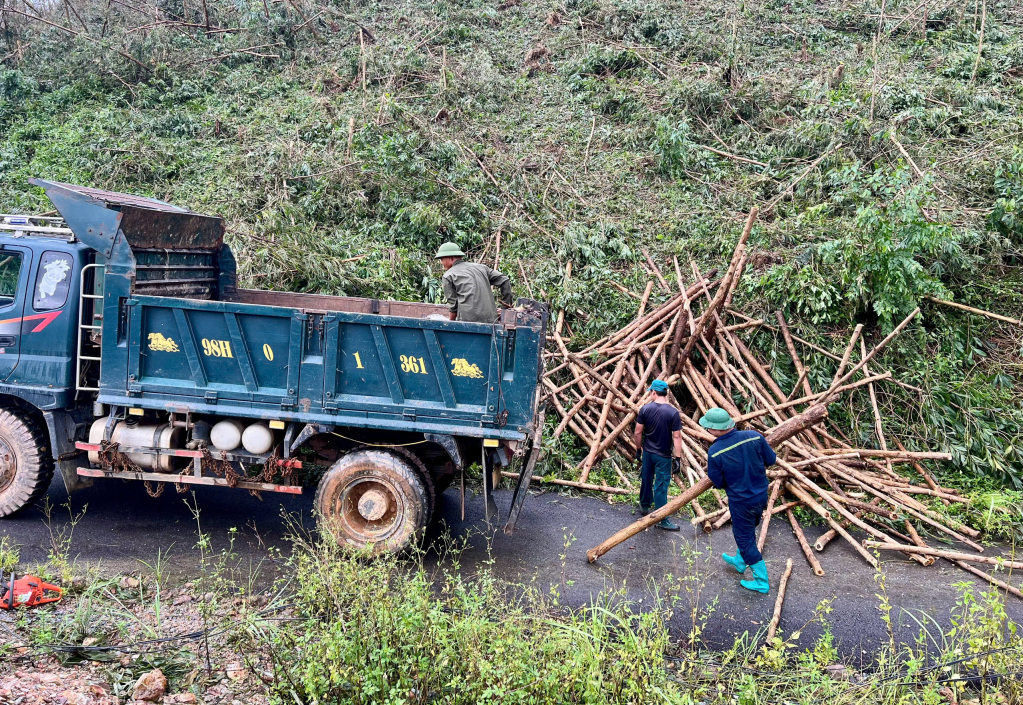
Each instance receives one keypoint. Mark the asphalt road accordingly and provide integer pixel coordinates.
(122, 526)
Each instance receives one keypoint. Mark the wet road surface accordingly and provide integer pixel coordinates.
(122, 526)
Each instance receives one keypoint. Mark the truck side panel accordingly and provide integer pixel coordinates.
(331, 366)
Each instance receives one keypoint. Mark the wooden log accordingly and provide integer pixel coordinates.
(977, 311)
(568, 483)
(616, 378)
(916, 538)
(894, 454)
(773, 628)
(705, 517)
(824, 539)
(951, 555)
(815, 565)
(644, 300)
(766, 521)
(814, 397)
(990, 578)
(876, 349)
(561, 313)
(809, 501)
(878, 425)
(719, 298)
(845, 355)
(845, 513)
(918, 467)
(656, 270)
(796, 361)
(622, 289)
(775, 437)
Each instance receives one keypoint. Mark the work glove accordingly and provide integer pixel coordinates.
(676, 466)
(639, 455)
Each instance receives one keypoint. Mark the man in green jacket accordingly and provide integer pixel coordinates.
(468, 287)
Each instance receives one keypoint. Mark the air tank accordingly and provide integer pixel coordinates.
(148, 436)
(258, 438)
(227, 434)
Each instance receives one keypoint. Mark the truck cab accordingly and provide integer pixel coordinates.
(128, 351)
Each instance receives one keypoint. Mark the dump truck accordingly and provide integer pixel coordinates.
(128, 351)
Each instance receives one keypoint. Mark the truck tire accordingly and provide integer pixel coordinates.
(26, 467)
(373, 499)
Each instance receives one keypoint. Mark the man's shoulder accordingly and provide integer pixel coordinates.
(731, 439)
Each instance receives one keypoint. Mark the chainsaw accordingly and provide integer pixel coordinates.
(29, 591)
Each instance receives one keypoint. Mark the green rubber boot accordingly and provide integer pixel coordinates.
(735, 561)
(759, 582)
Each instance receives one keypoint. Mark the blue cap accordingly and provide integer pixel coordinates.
(659, 386)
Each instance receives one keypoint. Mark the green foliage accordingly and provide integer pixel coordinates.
(1006, 216)
(883, 190)
(386, 631)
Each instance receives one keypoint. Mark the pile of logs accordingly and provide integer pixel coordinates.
(693, 340)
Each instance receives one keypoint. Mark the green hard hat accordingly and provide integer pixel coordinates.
(717, 419)
(449, 249)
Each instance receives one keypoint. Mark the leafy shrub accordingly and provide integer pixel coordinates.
(384, 632)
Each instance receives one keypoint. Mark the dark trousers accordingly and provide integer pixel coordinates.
(746, 516)
(655, 478)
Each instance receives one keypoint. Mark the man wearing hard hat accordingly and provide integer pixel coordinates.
(468, 287)
(737, 461)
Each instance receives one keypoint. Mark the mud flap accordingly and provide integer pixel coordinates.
(64, 427)
(526, 476)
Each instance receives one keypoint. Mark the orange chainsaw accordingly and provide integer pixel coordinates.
(27, 592)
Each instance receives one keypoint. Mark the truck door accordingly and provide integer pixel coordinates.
(14, 269)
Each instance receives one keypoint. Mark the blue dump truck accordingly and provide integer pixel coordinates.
(127, 351)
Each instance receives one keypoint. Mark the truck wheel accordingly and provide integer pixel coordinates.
(374, 499)
(26, 467)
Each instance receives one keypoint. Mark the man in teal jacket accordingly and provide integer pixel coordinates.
(737, 462)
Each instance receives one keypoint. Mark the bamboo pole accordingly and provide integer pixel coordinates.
(561, 313)
(919, 468)
(826, 515)
(990, 578)
(813, 397)
(915, 538)
(773, 628)
(800, 370)
(801, 538)
(878, 426)
(569, 483)
(977, 311)
(877, 348)
(775, 488)
(951, 555)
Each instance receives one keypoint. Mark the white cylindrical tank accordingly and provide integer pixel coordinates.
(258, 438)
(226, 434)
(150, 436)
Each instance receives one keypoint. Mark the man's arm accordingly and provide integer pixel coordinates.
(637, 437)
(676, 437)
(503, 283)
(452, 296)
(714, 473)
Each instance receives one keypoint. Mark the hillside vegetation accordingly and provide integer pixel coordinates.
(880, 140)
